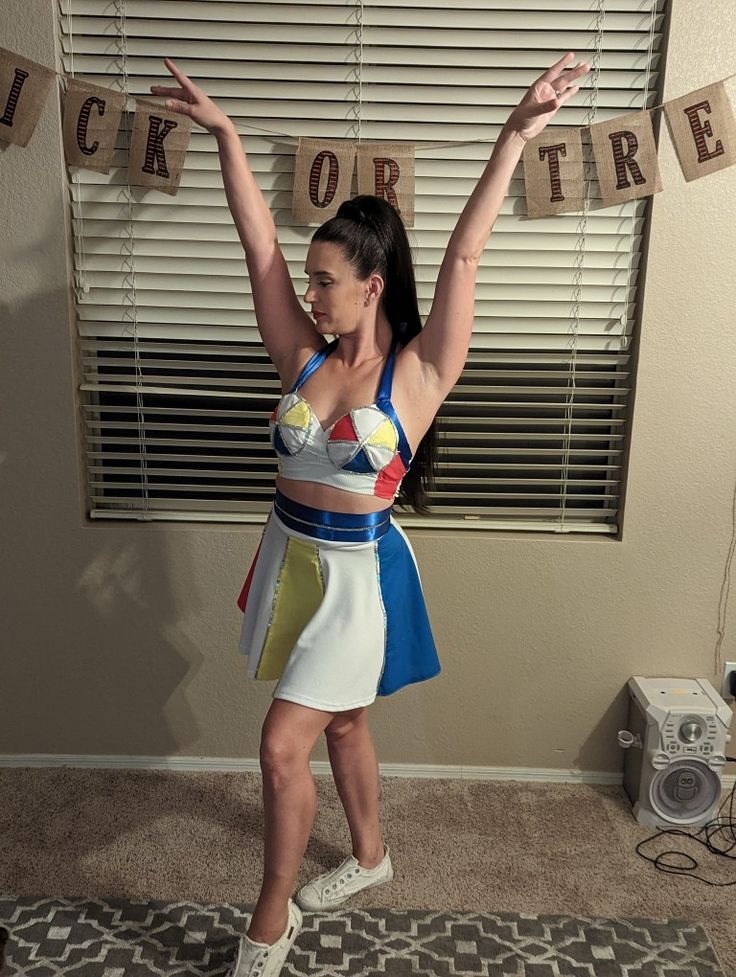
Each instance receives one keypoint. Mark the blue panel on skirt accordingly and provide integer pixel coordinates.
(411, 655)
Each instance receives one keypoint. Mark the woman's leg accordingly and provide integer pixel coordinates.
(355, 769)
(289, 805)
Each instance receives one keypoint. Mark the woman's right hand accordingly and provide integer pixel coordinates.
(190, 100)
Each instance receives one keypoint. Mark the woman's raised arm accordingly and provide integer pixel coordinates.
(285, 327)
(442, 345)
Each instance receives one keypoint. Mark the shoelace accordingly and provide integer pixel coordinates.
(342, 880)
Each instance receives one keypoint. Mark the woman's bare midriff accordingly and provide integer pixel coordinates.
(332, 499)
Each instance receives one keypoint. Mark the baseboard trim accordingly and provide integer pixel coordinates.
(319, 768)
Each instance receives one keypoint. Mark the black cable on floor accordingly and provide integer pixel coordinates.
(710, 830)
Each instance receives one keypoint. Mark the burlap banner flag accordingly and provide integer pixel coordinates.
(158, 147)
(24, 87)
(323, 176)
(387, 170)
(553, 173)
(705, 114)
(91, 121)
(626, 158)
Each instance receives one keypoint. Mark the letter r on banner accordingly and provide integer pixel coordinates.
(626, 158)
(387, 171)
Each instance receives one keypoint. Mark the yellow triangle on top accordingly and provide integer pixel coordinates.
(296, 416)
(384, 435)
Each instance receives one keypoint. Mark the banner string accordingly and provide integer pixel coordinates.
(424, 143)
(130, 261)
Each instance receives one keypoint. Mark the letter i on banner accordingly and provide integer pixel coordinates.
(24, 87)
(626, 158)
(91, 121)
(159, 145)
(388, 171)
(703, 129)
(323, 175)
(553, 173)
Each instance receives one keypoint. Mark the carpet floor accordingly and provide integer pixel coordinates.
(458, 846)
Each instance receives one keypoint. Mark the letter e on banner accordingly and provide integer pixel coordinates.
(159, 145)
(24, 86)
(553, 173)
(323, 175)
(703, 129)
(91, 121)
(387, 170)
(626, 158)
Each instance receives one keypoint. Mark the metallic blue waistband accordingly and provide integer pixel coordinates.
(344, 527)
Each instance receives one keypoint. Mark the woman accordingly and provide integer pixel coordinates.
(333, 608)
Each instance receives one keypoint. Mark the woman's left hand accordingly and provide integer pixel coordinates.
(545, 96)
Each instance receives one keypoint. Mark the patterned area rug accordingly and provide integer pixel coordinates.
(116, 938)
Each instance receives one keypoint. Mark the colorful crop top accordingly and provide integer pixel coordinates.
(365, 451)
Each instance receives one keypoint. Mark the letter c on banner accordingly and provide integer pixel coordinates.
(315, 174)
(83, 122)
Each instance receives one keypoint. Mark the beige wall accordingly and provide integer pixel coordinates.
(121, 639)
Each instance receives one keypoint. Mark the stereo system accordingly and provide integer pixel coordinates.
(675, 750)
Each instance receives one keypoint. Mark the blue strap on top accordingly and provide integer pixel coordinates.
(313, 363)
(383, 400)
(387, 377)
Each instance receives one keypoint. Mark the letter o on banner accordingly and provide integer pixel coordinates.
(325, 156)
(323, 174)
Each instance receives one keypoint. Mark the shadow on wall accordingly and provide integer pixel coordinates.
(614, 718)
(95, 660)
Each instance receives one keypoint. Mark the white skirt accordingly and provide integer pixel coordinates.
(332, 621)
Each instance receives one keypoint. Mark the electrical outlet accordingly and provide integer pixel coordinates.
(728, 668)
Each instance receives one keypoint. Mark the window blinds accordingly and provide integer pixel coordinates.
(176, 388)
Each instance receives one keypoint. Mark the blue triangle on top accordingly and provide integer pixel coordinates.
(278, 442)
(360, 463)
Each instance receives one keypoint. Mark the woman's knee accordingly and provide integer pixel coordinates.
(278, 755)
(287, 742)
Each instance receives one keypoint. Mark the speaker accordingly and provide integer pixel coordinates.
(675, 750)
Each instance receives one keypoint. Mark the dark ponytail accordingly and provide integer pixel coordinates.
(373, 239)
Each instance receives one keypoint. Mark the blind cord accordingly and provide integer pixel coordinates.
(130, 262)
(600, 27)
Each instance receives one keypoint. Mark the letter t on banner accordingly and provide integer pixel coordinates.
(703, 130)
(323, 175)
(553, 173)
(388, 171)
(24, 86)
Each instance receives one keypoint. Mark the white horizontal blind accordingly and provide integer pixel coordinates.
(177, 388)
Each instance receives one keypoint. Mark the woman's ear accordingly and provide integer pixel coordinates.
(376, 286)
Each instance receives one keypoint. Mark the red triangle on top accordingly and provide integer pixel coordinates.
(343, 430)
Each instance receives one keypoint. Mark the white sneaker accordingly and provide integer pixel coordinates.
(264, 959)
(332, 889)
